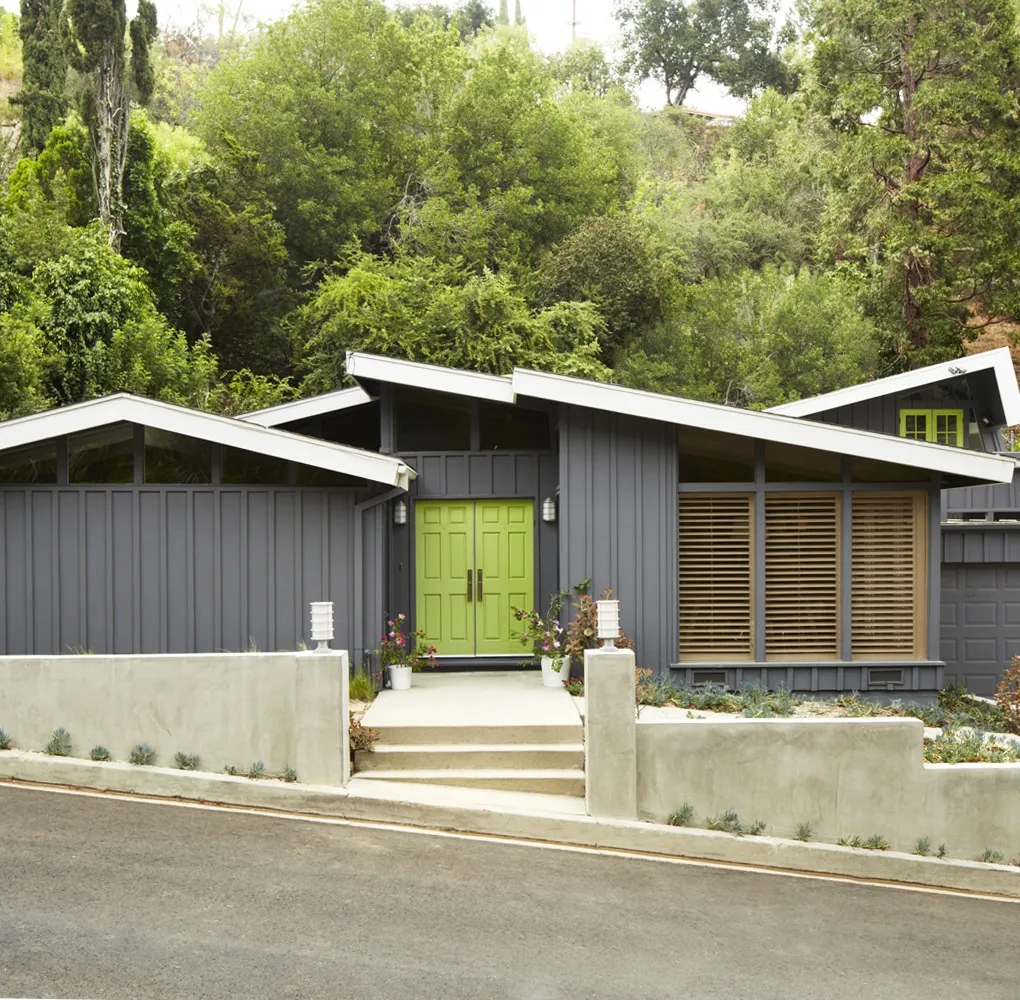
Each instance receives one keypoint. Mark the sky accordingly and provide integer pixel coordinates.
(548, 22)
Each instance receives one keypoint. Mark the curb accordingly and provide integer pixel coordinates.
(583, 831)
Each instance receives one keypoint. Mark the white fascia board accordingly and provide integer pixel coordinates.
(498, 388)
(302, 409)
(1000, 361)
(227, 431)
(764, 426)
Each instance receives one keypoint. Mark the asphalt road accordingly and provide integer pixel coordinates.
(107, 898)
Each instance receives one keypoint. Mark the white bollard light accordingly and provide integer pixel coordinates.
(322, 624)
(608, 622)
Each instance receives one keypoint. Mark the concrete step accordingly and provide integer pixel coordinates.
(549, 781)
(476, 735)
(502, 756)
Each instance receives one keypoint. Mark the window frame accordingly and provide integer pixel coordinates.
(931, 416)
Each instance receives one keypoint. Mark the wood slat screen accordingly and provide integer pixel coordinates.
(715, 564)
(801, 576)
(888, 614)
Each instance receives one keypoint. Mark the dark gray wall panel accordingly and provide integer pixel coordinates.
(981, 544)
(980, 623)
(998, 497)
(618, 510)
(173, 569)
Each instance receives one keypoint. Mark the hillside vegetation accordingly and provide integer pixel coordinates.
(216, 220)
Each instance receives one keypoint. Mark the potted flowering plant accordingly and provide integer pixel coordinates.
(404, 653)
(548, 638)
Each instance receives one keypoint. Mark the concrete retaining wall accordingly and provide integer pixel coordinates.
(285, 709)
(843, 776)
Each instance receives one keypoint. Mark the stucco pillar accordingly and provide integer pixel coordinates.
(610, 734)
(322, 718)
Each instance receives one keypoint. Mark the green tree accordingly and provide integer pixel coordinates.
(335, 102)
(616, 263)
(757, 339)
(929, 170)
(102, 332)
(422, 310)
(95, 44)
(43, 95)
(675, 42)
(504, 13)
(766, 190)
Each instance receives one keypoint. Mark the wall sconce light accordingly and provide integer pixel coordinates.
(400, 512)
(322, 624)
(986, 419)
(608, 621)
(549, 510)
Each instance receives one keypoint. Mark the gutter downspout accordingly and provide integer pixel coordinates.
(359, 563)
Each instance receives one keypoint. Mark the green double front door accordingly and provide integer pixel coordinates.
(475, 561)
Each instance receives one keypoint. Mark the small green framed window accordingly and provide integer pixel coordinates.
(936, 426)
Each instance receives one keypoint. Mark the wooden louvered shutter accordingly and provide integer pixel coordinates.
(715, 567)
(801, 576)
(888, 615)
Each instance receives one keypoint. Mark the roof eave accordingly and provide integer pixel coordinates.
(977, 466)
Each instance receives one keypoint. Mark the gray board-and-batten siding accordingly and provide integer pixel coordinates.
(176, 569)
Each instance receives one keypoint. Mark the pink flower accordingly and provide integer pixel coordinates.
(401, 616)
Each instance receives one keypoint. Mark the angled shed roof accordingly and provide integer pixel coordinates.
(229, 431)
(999, 362)
(311, 406)
(765, 426)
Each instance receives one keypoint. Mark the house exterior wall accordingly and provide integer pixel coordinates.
(618, 521)
(171, 569)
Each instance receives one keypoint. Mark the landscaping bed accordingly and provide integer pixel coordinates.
(959, 729)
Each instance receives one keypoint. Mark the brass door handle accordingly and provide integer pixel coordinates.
(478, 593)
(469, 592)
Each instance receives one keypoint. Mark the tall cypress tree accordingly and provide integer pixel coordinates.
(518, 16)
(95, 37)
(42, 97)
(504, 13)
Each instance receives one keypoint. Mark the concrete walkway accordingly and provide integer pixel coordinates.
(512, 699)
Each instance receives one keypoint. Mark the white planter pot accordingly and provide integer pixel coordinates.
(400, 678)
(554, 678)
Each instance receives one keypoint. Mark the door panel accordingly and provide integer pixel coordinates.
(494, 541)
(444, 543)
(505, 557)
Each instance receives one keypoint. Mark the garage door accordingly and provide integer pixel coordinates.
(980, 623)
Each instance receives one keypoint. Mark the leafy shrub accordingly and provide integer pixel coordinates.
(59, 744)
(186, 761)
(99, 752)
(582, 632)
(682, 816)
(991, 857)
(362, 688)
(804, 832)
(257, 769)
(142, 754)
(5, 741)
(575, 687)
(362, 737)
(1007, 695)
